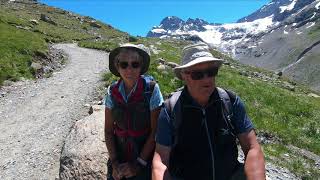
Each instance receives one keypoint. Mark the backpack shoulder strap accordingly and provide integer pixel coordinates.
(173, 105)
(149, 84)
(228, 99)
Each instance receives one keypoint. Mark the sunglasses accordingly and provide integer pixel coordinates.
(198, 75)
(125, 64)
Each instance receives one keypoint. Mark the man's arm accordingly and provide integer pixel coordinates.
(254, 166)
(160, 163)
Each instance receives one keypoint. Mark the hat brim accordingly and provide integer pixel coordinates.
(216, 62)
(115, 52)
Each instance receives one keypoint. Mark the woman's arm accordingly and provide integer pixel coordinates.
(109, 137)
(148, 148)
(130, 169)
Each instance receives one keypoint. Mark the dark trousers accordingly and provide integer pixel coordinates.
(239, 174)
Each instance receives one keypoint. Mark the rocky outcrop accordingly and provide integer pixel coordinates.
(84, 155)
(47, 19)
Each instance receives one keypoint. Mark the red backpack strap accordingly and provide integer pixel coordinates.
(115, 93)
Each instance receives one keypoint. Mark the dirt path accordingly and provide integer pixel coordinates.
(35, 117)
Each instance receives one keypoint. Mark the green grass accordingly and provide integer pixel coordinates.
(292, 117)
(17, 49)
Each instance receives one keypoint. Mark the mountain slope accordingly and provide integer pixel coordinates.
(28, 27)
(276, 37)
(292, 47)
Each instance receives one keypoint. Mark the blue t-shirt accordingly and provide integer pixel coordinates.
(156, 99)
(240, 120)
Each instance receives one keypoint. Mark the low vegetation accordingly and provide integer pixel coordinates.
(17, 49)
(24, 34)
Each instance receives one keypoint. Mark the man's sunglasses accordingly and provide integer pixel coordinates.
(198, 75)
(125, 64)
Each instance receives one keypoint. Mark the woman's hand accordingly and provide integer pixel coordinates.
(129, 169)
(116, 172)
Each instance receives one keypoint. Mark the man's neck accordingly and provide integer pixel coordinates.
(201, 99)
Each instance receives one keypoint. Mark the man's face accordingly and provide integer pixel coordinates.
(200, 79)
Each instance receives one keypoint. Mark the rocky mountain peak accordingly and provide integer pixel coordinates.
(279, 9)
(195, 24)
(197, 21)
(171, 23)
(175, 24)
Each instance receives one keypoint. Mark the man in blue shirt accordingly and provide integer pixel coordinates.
(194, 140)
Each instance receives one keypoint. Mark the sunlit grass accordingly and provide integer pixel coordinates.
(17, 48)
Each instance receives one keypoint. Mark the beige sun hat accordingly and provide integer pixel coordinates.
(196, 54)
(141, 49)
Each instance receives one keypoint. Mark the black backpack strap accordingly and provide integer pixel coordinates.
(148, 88)
(173, 105)
(228, 99)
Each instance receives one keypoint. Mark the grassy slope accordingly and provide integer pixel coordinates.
(17, 49)
(19, 46)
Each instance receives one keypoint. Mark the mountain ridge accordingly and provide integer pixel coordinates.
(293, 23)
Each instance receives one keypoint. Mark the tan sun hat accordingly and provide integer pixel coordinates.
(141, 49)
(196, 54)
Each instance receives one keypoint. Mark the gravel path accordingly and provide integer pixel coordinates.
(35, 117)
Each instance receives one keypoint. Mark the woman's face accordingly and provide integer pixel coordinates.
(129, 66)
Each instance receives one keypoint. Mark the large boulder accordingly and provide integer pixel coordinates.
(84, 155)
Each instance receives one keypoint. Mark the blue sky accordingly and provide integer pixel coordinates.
(137, 17)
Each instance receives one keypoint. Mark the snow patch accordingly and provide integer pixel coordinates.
(163, 36)
(312, 24)
(314, 14)
(159, 31)
(289, 7)
(270, 3)
(254, 27)
(317, 5)
(285, 32)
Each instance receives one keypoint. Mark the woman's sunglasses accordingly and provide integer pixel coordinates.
(125, 64)
(198, 75)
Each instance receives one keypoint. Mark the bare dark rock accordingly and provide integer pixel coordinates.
(47, 19)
